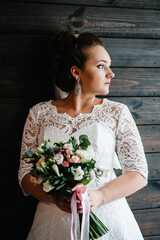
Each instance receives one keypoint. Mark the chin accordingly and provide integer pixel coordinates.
(103, 92)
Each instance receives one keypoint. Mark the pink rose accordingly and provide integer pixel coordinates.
(65, 164)
(74, 159)
(68, 152)
(68, 156)
(92, 173)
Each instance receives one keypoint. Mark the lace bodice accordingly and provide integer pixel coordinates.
(110, 128)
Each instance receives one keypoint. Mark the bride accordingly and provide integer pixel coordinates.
(81, 67)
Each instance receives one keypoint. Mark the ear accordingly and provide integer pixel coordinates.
(75, 72)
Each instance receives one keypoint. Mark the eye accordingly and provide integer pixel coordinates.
(101, 66)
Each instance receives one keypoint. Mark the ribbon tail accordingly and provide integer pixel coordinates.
(74, 217)
(85, 217)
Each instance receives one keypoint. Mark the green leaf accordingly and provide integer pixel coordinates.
(84, 142)
(29, 153)
(60, 186)
(40, 169)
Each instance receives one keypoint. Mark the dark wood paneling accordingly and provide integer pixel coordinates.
(150, 137)
(153, 4)
(25, 82)
(142, 109)
(149, 221)
(133, 52)
(135, 82)
(11, 139)
(21, 81)
(152, 237)
(153, 161)
(31, 50)
(148, 197)
(23, 50)
(35, 18)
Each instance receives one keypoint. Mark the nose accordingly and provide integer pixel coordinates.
(110, 74)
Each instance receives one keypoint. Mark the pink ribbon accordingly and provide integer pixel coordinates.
(80, 193)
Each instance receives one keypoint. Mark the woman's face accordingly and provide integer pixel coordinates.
(97, 75)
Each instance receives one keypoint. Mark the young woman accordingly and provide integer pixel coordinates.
(81, 67)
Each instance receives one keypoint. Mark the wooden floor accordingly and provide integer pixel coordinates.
(131, 34)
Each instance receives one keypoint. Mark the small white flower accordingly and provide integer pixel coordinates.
(56, 170)
(48, 145)
(77, 173)
(47, 187)
(59, 158)
(68, 146)
(86, 155)
(76, 35)
(77, 140)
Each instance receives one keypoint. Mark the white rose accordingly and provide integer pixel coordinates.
(59, 158)
(85, 155)
(47, 187)
(68, 146)
(77, 173)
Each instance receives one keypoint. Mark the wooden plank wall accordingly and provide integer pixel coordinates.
(130, 31)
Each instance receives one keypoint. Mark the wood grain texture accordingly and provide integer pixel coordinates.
(11, 138)
(157, 237)
(135, 82)
(21, 81)
(31, 50)
(130, 31)
(148, 197)
(150, 137)
(153, 4)
(144, 110)
(153, 161)
(25, 82)
(34, 18)
(149, 221)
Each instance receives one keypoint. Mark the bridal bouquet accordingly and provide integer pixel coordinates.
(59, 167)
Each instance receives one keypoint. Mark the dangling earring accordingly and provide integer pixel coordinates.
(78, 87)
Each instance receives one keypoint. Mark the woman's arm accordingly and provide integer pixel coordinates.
(36, 190)
(122, 186)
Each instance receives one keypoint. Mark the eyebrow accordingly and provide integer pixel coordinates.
(103, 61)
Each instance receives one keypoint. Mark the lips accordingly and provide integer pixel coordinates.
(107, 83)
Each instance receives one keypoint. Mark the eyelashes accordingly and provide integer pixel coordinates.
(101, 66)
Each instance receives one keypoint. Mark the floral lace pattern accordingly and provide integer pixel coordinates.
(117, 144)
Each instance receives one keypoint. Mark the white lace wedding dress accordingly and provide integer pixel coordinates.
(116, 142)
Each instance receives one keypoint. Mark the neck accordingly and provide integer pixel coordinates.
(78, 103)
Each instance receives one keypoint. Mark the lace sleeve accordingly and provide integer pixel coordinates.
(129, 145)
(29, 140)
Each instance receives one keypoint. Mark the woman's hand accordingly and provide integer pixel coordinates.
(63, 202)
(95, 198)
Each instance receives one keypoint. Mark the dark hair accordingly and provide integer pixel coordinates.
(66, 49)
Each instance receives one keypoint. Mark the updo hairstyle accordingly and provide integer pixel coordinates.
(67, 49)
